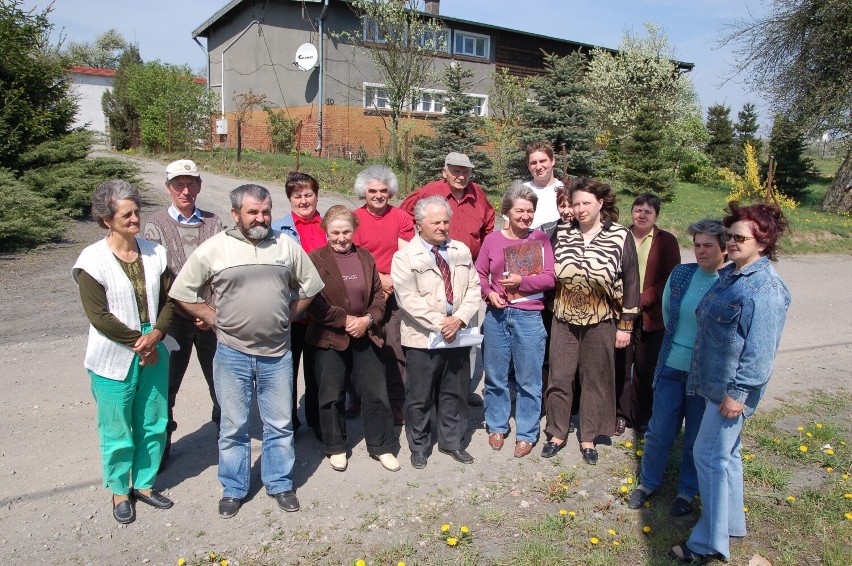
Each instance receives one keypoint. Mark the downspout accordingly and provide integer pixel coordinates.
(233, 41)
(206, 56)
(321, 26)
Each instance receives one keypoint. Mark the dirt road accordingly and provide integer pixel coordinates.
(53, 508)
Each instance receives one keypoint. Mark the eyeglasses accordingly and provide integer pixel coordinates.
(738, 238)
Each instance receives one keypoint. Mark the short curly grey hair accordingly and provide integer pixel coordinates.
(709, 226)
(517, 190)
(378, 173)
(106, 197)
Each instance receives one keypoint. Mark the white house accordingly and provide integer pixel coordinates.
(89, 85)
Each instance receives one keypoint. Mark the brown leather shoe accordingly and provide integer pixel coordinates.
(495, 440)
(522, 448)
(620, 426)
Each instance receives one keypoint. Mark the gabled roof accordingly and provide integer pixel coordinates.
(92, 71)
(204, 28)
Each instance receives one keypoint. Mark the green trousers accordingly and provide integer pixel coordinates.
(132, 418)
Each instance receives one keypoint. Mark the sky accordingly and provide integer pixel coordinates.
(163, 30)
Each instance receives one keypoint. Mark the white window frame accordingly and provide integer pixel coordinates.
(446, 48)
(417, 104)
(371, 100)
(462, 34)
(482, 106)
(371, 31)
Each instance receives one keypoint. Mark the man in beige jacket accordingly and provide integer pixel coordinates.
(437, 288)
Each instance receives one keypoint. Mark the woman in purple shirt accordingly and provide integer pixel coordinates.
(514, 333)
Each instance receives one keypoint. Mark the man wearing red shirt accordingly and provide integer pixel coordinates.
(473, 215)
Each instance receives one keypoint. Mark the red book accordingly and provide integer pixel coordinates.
(524, 259)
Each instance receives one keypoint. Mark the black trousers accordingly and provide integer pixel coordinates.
(305, 353)
(362, 361)
(439, 379)
(187, 335)
(634, 377)
(393, 354)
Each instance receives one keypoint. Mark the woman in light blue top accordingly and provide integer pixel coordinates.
(739, 322)
(685, 287)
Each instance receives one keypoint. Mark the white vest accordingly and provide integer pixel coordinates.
(106, 357)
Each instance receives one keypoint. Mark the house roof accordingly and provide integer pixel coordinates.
(92, 71)
(204, 28)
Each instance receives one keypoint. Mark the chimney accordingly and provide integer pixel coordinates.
(432, 7)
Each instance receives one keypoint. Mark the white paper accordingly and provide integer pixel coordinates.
(465, 337)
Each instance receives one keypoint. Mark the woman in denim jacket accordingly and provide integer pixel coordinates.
(740, 320)
(684, 289)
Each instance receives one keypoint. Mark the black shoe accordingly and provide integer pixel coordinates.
(590, 456)
(123, 512)
(571, 427)
(620, 426)
(459, 455)
(680, 507)
(419, 459)
(550, 449)
(474, 400)
(287, 500)
(638, 498)
(156, 499)
(229, 506)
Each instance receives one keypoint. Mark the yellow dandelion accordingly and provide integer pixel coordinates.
(803, 448)
(790, 498)
(648, 504)
(212, 556)
(360, 562)
(565, 487)
(629, 480)
(628, 445)
(847, 495)
(845, 476)
(615, 543)
(464, 529)
(848, 516)
(594, 540)
(829, 469)
(745, 509)
(624, 489)
(776, 440)
(181, 561)
(809, 435)
(801, 428)
(452, 541)
(445, 527)
(563, 512)
(640, 452)
(223, 563)
(572, 513)
(830, 452)
(843, 443)
(646, 529)
(400, 563)
(819, 425)
(611, 532)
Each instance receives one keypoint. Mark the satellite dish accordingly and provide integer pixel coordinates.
(306, 57)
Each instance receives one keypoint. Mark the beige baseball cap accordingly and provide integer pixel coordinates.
(458, 159)
(182, 167)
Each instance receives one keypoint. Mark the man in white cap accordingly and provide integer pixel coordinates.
(181, 228)
(473, 219)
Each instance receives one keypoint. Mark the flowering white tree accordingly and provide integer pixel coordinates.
(642, 73)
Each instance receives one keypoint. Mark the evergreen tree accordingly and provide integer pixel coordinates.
(645, 168)
(561, 114)
(458, 129)
(745, 131)
(793, 171)
(122, 115)
(721, 147)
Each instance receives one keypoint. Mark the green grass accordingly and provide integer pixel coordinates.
(813, 231)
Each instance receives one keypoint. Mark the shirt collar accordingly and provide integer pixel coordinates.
(443, 247)
(299, 220)
(194, 218)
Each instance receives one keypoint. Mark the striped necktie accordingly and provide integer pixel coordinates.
(445, 273)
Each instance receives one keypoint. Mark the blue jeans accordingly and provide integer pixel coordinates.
(671, 406)
(517, 337)
(236, 375)
(720, 479)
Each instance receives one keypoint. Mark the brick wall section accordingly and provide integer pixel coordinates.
(345, 128)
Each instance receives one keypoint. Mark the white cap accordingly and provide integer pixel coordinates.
(182, 167)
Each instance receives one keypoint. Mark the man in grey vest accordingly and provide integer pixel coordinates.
(181, 228)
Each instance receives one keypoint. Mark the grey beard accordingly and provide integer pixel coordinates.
(257, 232)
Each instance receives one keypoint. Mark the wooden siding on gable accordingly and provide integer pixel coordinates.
(522, 55)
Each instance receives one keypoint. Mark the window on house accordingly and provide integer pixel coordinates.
(372, 32)
(428, 101)
(471, 44)
(376, 97)
(438, 40)
(481, 107)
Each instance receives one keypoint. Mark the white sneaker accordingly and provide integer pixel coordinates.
(389, 462)
(338, 462)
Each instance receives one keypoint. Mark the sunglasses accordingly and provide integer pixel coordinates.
(738, 238)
